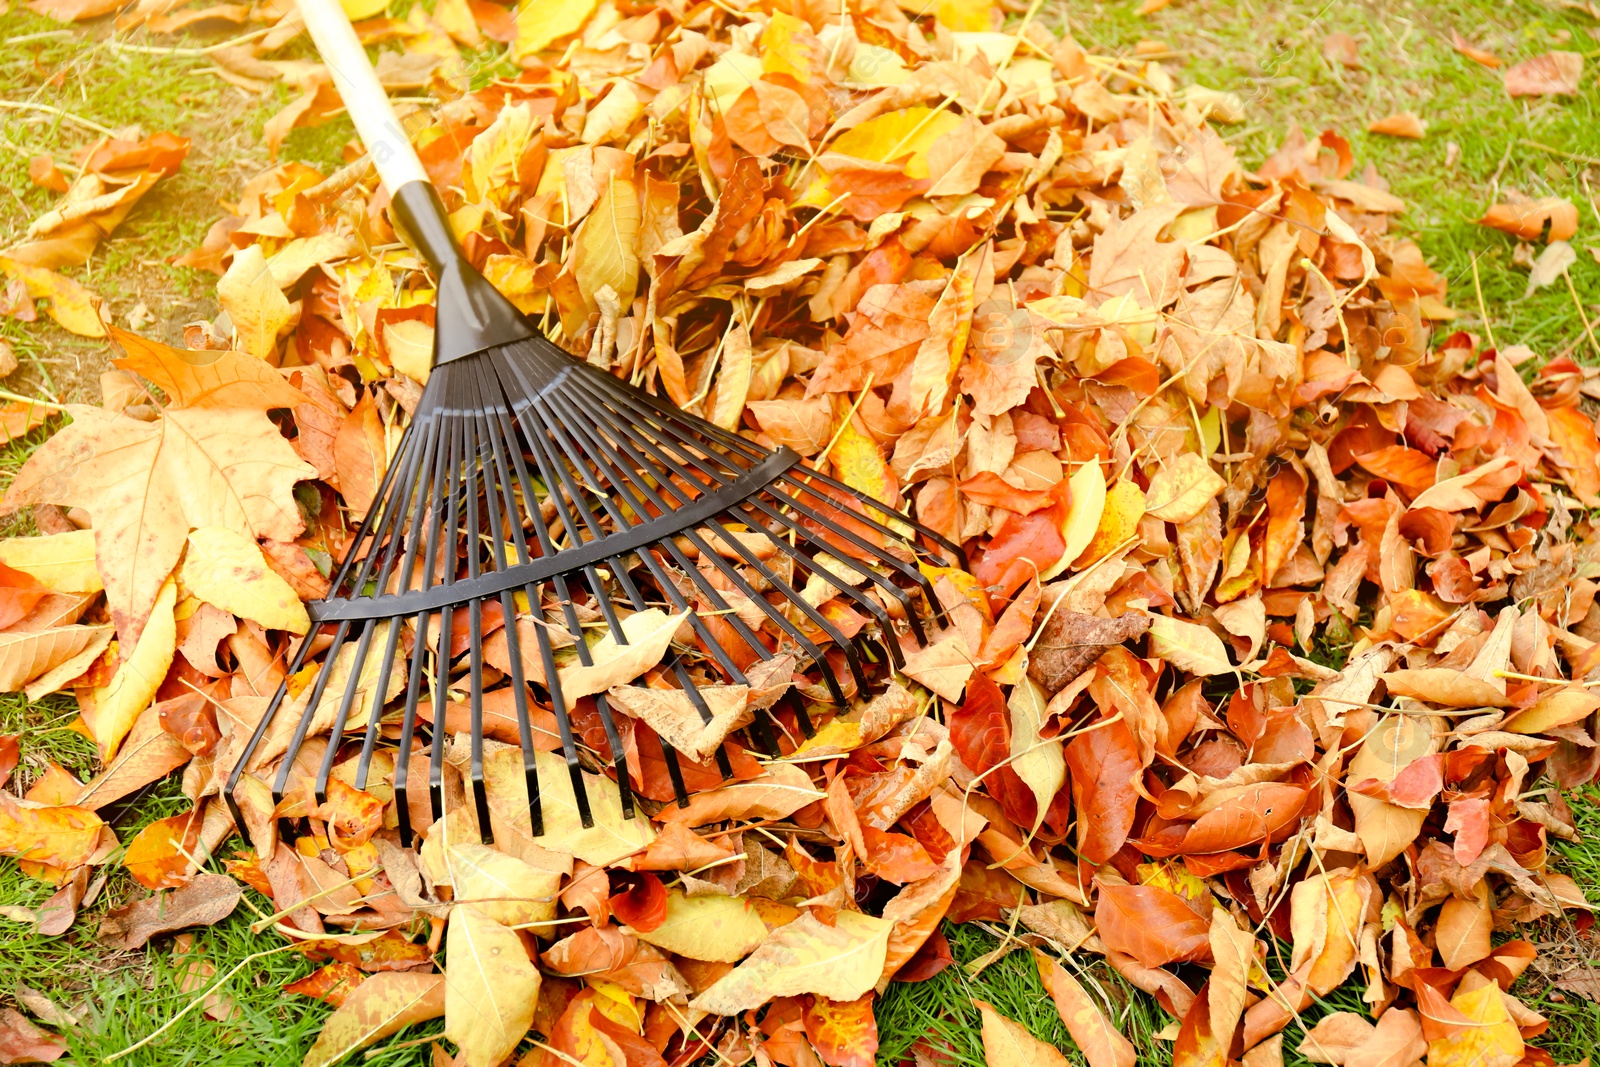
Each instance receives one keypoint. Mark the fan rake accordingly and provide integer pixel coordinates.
(531, 484)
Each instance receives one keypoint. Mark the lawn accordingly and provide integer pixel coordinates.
(58, 86)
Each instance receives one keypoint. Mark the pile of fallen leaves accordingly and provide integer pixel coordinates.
(1193, 426)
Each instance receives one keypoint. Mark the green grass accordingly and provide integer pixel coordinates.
(1268, 52)
(941, 1010)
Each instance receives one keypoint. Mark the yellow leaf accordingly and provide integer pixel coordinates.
(786, 47)
(255, 305)
(733, 381)
(1234, 951)
(1039, 763)
(489, 173)
(1557, 709)
(409, 343)
(62, 563)
(1180, 489)
(503, 888)
(605, 248)
(1008, 1044)
(611, 836)
(1087, 503)
(62, 835)
(1326, 914)
(382, 1004)
(900, 137)
(141, 672)
(1188, 645)
(71, 305)
(542, 22)
(40, 659)
(226, 568)
(1119, 520)
(1491, 1040)
(356, 10)
(858, 463)
(840, 962)
(490, 987)
(714, 928)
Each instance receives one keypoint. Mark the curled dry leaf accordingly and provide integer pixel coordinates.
(206, 899)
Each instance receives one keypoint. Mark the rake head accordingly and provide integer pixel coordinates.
(530, 484)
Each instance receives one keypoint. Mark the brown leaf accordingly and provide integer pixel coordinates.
(207, 899)
(23, 1042)
(1069, 642)
(1400, 124)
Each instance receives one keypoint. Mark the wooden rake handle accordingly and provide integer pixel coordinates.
(363, 96)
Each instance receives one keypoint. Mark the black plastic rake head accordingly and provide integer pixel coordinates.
(528, 476)
(527, 472)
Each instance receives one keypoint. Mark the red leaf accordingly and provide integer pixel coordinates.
(1152, 925)
(980, 730)
(1105, 769)
(10, 753)
(643, 905)
(1469, 821)
(1035, 537)
(844, 1032)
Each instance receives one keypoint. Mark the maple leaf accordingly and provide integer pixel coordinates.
(148, 484)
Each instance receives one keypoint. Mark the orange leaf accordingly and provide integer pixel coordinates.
(844, 1033)
(1152, 925)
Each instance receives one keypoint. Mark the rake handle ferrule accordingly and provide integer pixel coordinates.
(472, 315)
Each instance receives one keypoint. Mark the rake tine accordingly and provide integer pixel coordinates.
(443, 658)
(609, 473)
(351, 687)
(508, 607)
(744, 587)
(547, 465)
(681, 673)
(281, 779)
(472, 454)
(699, 579)
(793, 596)
(597, 589)
(888, 587)
(913, 573)
(416, 458)
(952, 550)
(433, 468)
(535, 596)
(261, 729)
